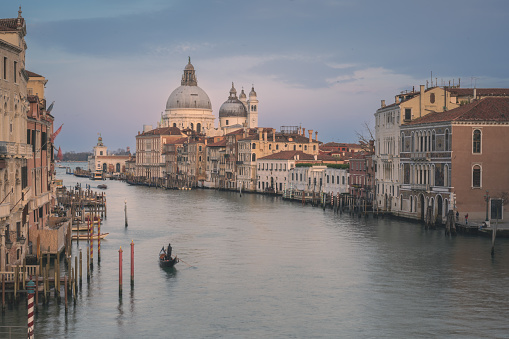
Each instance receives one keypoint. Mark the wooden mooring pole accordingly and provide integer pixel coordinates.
(120, 271)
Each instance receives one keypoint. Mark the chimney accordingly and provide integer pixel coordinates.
(310, 131)
(303, 132)
(421, 101)
(396, 99)
(264, 135)
(316, 136)
(383, 103)
(316, 157)
(298, 157)
(273, 135)
(260, 134)
(475, 93)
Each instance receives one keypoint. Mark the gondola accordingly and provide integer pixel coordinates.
(164, 261)
(102, 186)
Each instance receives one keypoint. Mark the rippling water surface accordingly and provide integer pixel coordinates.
(257, 266)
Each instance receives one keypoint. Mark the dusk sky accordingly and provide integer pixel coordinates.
(325, 65)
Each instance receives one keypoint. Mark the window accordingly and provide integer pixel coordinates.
(433, 139)
(447, 146)
(253, 146)
(15, 68)
(476, 176)
(5, 68)
(408, 114)
(277, 146)
(476, 141)
(432, 98)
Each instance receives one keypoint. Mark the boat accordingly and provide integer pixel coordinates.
(102, 186)
(85, 236)
(96, 175)
(166, 261)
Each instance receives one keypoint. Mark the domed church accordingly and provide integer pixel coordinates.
(236, 112)
(189, 107)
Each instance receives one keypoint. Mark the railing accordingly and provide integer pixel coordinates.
(30, 270)
(11, 149)
(420, 187)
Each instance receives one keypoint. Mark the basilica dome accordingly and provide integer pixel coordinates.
(188, 95)
(232, 107)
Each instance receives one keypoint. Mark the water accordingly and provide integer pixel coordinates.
(257, 266)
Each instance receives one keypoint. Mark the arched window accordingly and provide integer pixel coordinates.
(433, 138)
(253, 146)
(476, 176)
(402, 142)
(174, 124)
(253, 157)
(192, 126)
(198, 127)
(118, 167)
(105, 167)
(447, 141)
(476, 141)
(413, 143)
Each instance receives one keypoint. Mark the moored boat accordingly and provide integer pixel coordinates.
(102, 186)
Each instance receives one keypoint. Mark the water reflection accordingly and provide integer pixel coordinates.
(271, 268)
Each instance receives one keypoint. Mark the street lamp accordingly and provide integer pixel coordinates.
(487, 199)
(9, 243)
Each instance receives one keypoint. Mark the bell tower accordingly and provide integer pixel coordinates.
(252, 109)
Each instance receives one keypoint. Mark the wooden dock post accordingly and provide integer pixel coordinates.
(3, 293)
(132, 263)
(16, 282)
(120, 271)
(125, 212)
(36, 291)
(23, 274)
(81, 266)
(65, 291)
(76, 272)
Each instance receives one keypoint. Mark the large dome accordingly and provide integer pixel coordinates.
(188, 97)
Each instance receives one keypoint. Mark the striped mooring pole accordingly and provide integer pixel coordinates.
(31, 290)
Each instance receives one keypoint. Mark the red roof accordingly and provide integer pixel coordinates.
(480, 91)
(487, 109)
(33, 75)
(220, 143)
(163, 131)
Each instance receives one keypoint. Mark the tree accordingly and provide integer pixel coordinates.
(366, 137)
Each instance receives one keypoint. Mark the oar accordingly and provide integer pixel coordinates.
(185, 263)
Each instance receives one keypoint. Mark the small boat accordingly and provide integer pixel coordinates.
(166, 261)
(85, 236)
(102, 186)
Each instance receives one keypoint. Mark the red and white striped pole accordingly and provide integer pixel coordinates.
(31, 289)
(91, 244)
(99, 240)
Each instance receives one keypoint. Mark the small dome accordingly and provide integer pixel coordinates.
(189, 65)
(252, 93)
(232, 108)
(242, 94)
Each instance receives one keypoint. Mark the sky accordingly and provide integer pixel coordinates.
(324, 65)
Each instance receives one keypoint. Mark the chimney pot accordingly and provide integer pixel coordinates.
(383, 103)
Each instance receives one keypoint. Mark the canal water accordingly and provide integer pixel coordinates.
(258, 267)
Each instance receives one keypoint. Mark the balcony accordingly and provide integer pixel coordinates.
(15, 149)
(386, 157)
(420, 156)
(5, 210)
(420, 187)
(41, 200)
